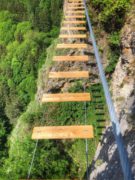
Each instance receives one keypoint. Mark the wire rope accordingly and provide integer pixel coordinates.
(125, 163)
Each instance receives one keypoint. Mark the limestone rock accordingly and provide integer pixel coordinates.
(123, 93)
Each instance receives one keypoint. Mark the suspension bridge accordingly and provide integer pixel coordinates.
(75, 23)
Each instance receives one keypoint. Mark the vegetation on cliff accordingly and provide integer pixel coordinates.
(110, 17)
(27, 29)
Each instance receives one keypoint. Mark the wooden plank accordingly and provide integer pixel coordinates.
(63, 132)
(71, 58)
(74, 22)
(75, 8)
(75, 1)
(72, 1)
(75, 12)
(74, 28)
(72, 46)
(66, 97)
(78, 36)
(74, 16)
(69, 74)
(76, 4)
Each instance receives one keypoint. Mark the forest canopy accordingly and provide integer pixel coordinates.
(27, 28)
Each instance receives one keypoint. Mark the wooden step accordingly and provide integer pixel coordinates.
(66, 97)
(71, 58)
(63, 132)
(72, 1)
(78, 36)
(75, 8)
(69, 74)
(75, 12)
(74, 22)
(74, 28)
(76, 4)
(74, 16)
(72, 46)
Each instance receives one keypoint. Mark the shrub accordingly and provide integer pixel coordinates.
(111, 13)
(114, 40)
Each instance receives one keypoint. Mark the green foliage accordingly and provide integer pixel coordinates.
(113, 59)
(42, 14)
(22, 155)
(21, 29)
(114, 40)
(26, 32)
(20, 61)
(7, 27)
(114, 43)
(5, 128)
(111, 13)
(5, 16)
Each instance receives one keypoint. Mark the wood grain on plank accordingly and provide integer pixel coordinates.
(78, 36)
(72, 46)
(74, 22)
(72, 1)
(74, 28)
(69, 74)
(63, 132)
(75, 12)
(74, 16)
(71, 58)
(75, 7)
(66, 97)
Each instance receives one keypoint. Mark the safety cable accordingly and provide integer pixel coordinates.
(34, 151)
(86, 143)
(32, 161)
(85, 121)
(126, 167)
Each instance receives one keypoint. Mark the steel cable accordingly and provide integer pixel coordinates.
(126, 167)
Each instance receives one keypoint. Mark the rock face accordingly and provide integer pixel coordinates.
(106, 164)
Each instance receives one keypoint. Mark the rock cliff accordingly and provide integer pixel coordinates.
(106, 164)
